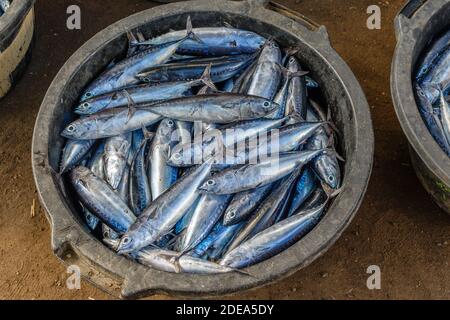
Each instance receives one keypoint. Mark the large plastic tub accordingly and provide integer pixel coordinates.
(16, 36)
(74, 244)
(417, 25)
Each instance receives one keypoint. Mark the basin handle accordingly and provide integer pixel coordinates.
(301, 19)
(402, 21)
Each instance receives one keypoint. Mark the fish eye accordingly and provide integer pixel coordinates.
(71, 128)
(177, 156)
(292, 60)
(85, 105)
(126, 240)
(146, 79)
(266, 104)
(331, 178)
(210, 182)
(170, 123)
(106, 234)
(232, 214)
(88, 94)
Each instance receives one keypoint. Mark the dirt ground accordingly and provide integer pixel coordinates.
(397, 228)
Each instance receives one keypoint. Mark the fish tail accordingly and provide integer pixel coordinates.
(206, 78)
(190, 33)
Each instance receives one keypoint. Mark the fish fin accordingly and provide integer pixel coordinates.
(190, 33)
(148, 135)
(131, 105)
(176, 263)
(206, 78)
(140, 36)
(132, 40)
(289, 52)
(289, 74)
(228, 25)
(330, 192)
(333, 152)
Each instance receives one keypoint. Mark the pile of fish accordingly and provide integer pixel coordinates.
(432, 85)
(202, 151)
(4, 6)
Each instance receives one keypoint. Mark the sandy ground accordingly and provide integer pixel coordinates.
(398, 227)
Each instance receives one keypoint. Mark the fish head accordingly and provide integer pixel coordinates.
(78, 175)
(211, 185)
(76, 129)
(114, 164)
(166, 129)
(327, 168)
(251, 40)
(132, 241)
(95, 104)
(180, 156)
(260, 108)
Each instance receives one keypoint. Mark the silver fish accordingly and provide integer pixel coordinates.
(98, 197)
(267, 76)
(438, 77)
(214, 108)
(115, 158)
(110, 123)
(74, 152)
(213, 140)
(274, 239)
(445, 116)
(251, 176)
(161, 216)
(208, 211)
(139, 187)
(244, 203)
(169, 261)
(297, 93)
(269, 212)
(213, 41)
(162, 176)
(123, 74)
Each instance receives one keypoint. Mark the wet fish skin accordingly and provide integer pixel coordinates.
(98, 197)
(162, 215)
(219, 239)
(251, 176)
(110, 123)
(437, 77)
(445, 116)
(183, 222)
(222, 68)
(306, 184)
(115, 158)
(267, 76)
(73, 152)
(431, 119)
(139, 187)
(145, 93)
(432, 55)
(268, 213)
(244, 204)
(208, 211)
(274, 239)
(221, 108)
(162, 175)
(213, 41)
(4, 5)
(297, 93)
(205, 144)
(170, 261)
(325, 166)
(123, 74)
